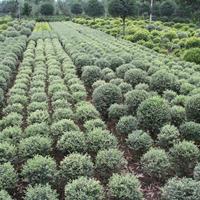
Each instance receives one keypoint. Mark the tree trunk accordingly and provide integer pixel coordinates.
(124, 25)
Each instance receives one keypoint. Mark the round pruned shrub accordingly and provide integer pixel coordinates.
(139, 142)
(190, 131)
(125, 87)
(4, 195)
(184, 156)
(153, 113)
(116, 111)
(40, 192)
(169, 95)
(99, 139)
(162, 80)
(93, 124)
(34, 145)
(126, 125)
(106, 95)
(62, 113)
(168, 136)
(196, 172)
(84, 188)
(72, 142)
(7, 152)
(115, 62)
(39, 169)
(178, 115)
(156, 164)
(90, 75)
(38, 116)
(121, 70)
(134, 98)
(192, 55)
(125, 187)
(181, 189)
(135, 76)
(192, 108)
(109, 161)
(8, 176)
(62, 126)
(75, 165)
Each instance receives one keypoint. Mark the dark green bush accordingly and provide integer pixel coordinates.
(74, 166)
(127, 124)
(178, 115)
(93, 124)
(7, 152)
(121, 70)
(192, 106)
(125, 187)
(8, 176)
(181, 189)
(153, 113)
(184, 157)
(106, 95)
(139, 142)
(39, 169)
(135, 76)
(40, 192)
(115, 62)
(109, 161)
(192, 55)
(168, 136)
(196, 172)
(84, 188)
(134, 98)
(125, 87)
(72, 142)
(4, 195)
(156, 164)
(116, 111)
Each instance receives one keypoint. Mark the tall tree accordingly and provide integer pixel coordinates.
(94, 8)
(76, 9)
(27, 8)
(123, 9)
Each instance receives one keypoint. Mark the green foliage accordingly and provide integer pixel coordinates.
(8, 176)
(74, 166)
(40, 192)
(139, 142)
(76, 9)
(196, 172)
(182, 189)
(4, 195)
(84, 188)
(127, 124)
(39, 169)
(47, 9)
(178, 115)
(94, 8)
(116, 111)
(168, 8)
(109, 161)
(72, 142)
(94, 123)
(192, 55)
(106, 95)
(125, 187)
(153, 113)
(27, 8)
(184, 157)
(7, 152)
(156, 164)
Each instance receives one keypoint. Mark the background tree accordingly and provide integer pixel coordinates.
(168, 8)
(27, 8)
(94, 8)
(123, 9)
(76, 9)
(47, 9)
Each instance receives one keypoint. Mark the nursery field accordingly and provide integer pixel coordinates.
(178, 39)
(86, 116)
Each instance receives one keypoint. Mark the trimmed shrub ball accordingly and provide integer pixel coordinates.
(39, 170)
(74, 166)
(153, 113)
(178, 115)
(193, 108)
(7, 152)
(116, 111)
(162, 80)
(109, 161)
(139, 142)
(84, 188)
(192, 55)
(40, 192)
(190, 131)
(156, 164)
(71, 142)
(196, 172)
(168, 136)
(94, 123)
(99, 139)
(125, 187)
(135, 76)
(126, 125)
(8, 176)
(121, 70)
(181, 189)
(4, 195)
(90, 75)
(134, 98)
(106, 95)
(184, 156)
